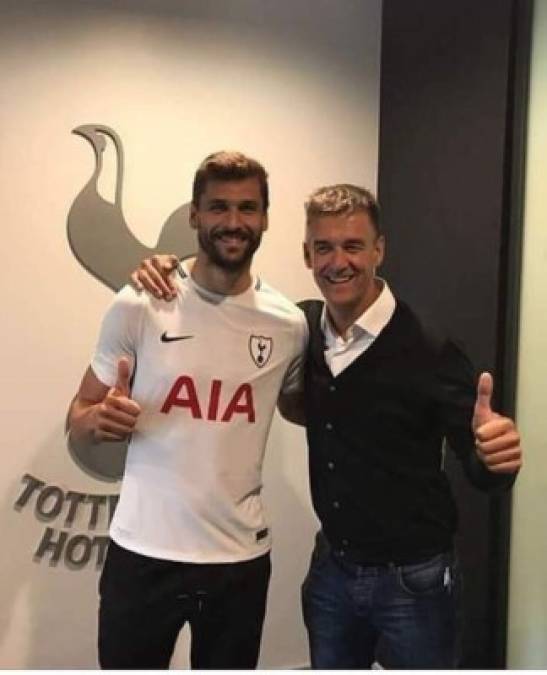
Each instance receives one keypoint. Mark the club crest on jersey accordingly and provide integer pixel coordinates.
(261, 349)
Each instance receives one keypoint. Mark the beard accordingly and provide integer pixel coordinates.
(210, 243)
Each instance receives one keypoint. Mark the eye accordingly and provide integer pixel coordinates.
(354, 247)
(248, 207)
(217, 207)
(321, 249)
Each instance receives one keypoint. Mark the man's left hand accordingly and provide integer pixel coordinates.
(497, 438)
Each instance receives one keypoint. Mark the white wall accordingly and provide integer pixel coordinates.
(295, 84)
(527, 647)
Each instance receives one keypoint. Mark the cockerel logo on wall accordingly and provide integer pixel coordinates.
(104, 245)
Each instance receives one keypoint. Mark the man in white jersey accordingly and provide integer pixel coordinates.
(189, 538)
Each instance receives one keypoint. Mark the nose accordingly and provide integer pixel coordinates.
(339, 259)
(233, 218)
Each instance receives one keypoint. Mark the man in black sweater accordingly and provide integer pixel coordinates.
(383, 391)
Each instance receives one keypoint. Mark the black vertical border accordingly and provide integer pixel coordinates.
(509, 293)
(441, 58)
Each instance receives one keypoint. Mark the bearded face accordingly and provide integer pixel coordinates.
(230, 221)
(229, 248)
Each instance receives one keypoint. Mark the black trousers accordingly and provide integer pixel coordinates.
(145, 602)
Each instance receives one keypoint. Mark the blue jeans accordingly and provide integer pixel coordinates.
(403, 616)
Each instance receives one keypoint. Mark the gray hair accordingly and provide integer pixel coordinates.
(333, 200)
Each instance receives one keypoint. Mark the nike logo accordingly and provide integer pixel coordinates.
(174, 338)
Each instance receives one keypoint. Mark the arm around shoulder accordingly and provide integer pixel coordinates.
(291, 407)
(291, 400)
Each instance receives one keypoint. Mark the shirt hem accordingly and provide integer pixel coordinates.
(174, 556)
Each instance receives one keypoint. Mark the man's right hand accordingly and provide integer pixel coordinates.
(154, 275)
(115, 417)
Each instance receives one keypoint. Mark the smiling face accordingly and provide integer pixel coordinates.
(230, 219)
(343, 251)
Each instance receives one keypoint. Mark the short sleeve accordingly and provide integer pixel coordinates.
(119, 335)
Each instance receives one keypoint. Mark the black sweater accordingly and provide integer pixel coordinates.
(375, 436)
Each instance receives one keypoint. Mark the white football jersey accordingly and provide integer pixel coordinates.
(207, 371)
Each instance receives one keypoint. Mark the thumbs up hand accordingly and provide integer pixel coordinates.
(497, 438)
(483, 412)
(121, 388)
(116, 415)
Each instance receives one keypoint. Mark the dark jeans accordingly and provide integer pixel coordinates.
(145, 602)
(404, 616)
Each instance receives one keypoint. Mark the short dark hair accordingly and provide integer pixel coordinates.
(226, 166)
(340, 199)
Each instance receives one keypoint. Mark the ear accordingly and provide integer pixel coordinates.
(307, 256)
(265, 223)
(379, 248)
(193, 219)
